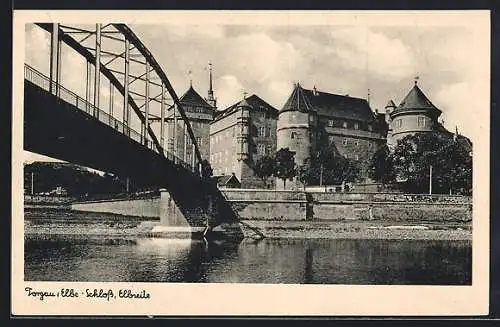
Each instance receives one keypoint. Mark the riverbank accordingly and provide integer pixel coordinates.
(43, 221)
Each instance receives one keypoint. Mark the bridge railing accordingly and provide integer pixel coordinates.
(39, 79)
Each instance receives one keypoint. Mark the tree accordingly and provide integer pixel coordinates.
(381, 166)
(206, 169)
(328, 167)
(265, 167)
(284, 165)
(450, 161)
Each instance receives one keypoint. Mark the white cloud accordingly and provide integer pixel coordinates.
(229, 90)
(277, 93)
(360, 48)
(195, 31)
(37, 48)
(459, 108)
(258, 58)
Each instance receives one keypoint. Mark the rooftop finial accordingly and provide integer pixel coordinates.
(368, 96)
(416, 79)
(315, 91)
(190, 73)
(245, 94)
(210, 97)
(210, 91)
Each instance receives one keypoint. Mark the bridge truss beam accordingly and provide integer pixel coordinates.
(100, 43)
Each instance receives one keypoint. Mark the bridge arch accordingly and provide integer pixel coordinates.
(92, 54)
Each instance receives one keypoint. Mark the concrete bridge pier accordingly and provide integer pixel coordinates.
(173, 223)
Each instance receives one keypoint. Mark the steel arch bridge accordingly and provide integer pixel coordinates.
(114, 51)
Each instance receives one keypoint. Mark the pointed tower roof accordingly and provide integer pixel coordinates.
(193, 98)
(298, 101)
(390, 104)
(416, 100)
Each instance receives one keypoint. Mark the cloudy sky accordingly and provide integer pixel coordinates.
(345, 59)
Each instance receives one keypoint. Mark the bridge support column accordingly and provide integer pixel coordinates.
(172, 221)
(97, 66)
(55, 56)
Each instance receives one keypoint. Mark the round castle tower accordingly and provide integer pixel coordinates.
(415, 114)
(295, 125)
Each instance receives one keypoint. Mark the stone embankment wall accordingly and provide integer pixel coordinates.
(295, 205)
(268, 204)
(147, 208)
(289, 205)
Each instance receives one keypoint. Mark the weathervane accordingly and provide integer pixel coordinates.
(416, 79)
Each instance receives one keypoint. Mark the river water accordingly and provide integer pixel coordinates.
(135, 259)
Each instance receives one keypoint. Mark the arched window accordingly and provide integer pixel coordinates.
(293, 135)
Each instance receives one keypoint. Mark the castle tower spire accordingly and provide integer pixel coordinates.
(210, 97)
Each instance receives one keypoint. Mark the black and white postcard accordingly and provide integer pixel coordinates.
(251, 163)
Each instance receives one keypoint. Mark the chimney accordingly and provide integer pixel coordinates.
(315, 92)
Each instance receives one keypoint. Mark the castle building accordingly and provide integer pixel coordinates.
(200, 114)
(239, 136)
(310, 117)
(415, 114)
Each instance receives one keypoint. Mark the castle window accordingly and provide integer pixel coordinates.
(330, 123)
(356, 143)
(269, 149)
(370, 145)
(311, 118)
(399, 123)
(356, 126)
(344, 142)
(198, 140)
(261, 149)
(356, 157)
(262, 131)
(234, 129)
(268, 131)
(330, 138)
(421, 121)
(344, 124)
(293, 135)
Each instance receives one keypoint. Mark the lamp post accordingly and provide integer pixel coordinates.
(321, 174)
(430, 179)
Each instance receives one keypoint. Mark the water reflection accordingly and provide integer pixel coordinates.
(267, 261)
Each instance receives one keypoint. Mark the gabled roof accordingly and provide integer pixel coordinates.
(193, 98)
(416, 100)
(226, 179)
(254, 102)
(328, 104)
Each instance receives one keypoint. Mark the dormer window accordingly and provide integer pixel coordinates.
(330, 123)
(356, 126)
(344, 124)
